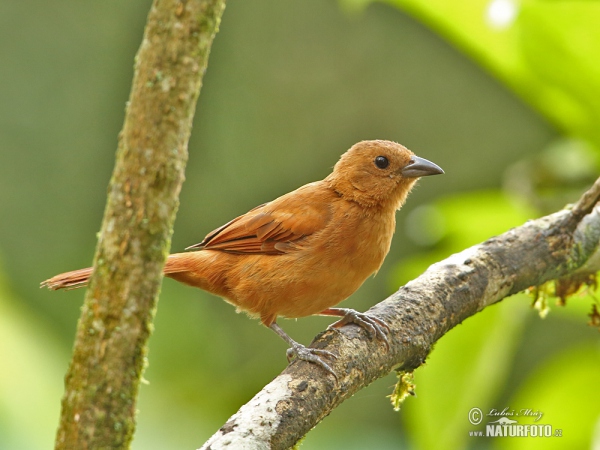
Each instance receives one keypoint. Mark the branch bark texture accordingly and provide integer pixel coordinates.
(101, 386)
(418, 314)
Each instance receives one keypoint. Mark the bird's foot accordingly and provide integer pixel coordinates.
(300, 352)
(312, 355)
(373, 325)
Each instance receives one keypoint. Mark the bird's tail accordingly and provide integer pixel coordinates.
(68, 280)
(79, 278)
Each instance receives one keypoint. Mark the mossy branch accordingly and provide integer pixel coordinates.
(101, 386)
(421, 312)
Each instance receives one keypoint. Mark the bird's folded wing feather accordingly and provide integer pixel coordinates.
(276, 227)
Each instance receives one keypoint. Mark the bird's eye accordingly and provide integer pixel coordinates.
(382, 162)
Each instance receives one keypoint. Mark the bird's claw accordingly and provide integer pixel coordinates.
(300, 352)
(373, 325)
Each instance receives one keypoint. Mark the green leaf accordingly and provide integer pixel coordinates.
(458, 222)
(31, 374)
(466, 370)
(567, 379)
(545, 51)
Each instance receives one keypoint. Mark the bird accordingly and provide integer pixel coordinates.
(306, 251)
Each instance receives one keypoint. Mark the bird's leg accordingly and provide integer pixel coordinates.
(299, 351)
(373, 325)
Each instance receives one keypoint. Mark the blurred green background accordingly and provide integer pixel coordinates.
(504, 95)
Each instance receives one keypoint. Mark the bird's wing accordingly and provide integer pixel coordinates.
(276, 227)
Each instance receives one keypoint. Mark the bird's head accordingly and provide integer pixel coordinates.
(379, 173)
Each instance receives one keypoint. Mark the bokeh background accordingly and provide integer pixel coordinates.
(503, 94)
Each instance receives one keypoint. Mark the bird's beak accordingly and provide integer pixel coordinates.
(420, 167)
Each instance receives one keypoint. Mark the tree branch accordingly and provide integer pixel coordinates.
(98, 407)
(418, 314)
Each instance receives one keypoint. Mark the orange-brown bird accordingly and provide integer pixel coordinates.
(306, 251)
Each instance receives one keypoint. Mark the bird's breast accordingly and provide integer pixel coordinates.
(362, 241)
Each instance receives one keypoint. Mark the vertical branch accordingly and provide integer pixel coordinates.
(101, 386)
